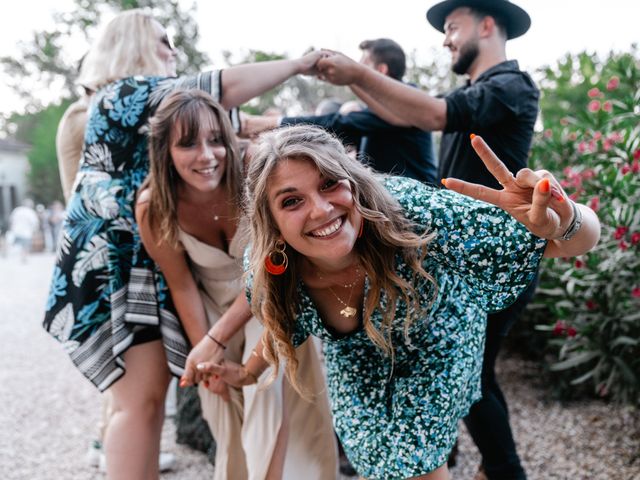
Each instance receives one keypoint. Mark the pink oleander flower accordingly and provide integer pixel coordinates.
(597, 135)
(578, 264)
(559, 328)
(635, 166)
(594, 106)
(591, 305)
(594, 92)
(635, 238)
(635, 292)
(587, 174)
(616, 137)
(626, 168)
(582, 147)
(620, 232)
(607, 106)
(636, 154)
(606, 145)
(613, 83)
(548, 133)
(623, 245)
(571, 332)
(594, 204)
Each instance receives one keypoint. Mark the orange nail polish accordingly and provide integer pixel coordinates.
(544, 185)
(472, 136)
(444, 182)
(183, 383)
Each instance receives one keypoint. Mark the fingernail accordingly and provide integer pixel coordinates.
(200, 366)
(544, 185)
(472, 136)
(557, 195)
(444, 182)
(183, 383)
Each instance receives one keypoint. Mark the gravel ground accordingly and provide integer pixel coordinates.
(48, 412)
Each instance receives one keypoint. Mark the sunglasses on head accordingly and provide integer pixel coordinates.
(167, 42)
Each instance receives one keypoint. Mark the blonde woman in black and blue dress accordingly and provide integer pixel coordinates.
(396, 277)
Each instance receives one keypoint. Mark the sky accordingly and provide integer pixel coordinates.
(291, 26)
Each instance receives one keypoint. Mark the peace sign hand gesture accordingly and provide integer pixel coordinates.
(535, 199)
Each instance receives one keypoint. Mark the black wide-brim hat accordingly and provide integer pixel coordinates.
(517, 21)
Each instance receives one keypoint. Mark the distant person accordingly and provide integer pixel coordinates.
(406, 151)
(56, 217)
(104, 305)
(327, 106)
(499, 102)
(23, 226)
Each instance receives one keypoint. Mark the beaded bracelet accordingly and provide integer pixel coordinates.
(222, 345)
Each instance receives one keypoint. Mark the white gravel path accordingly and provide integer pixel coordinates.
(48, 411)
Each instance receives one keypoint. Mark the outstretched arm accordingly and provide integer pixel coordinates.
(535, 199)
(414, 107)
(243, 82)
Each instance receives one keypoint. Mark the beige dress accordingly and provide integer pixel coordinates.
(246, 428)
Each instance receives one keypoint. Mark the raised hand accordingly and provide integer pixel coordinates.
(307, 64)
(338, 69)
(534, 198)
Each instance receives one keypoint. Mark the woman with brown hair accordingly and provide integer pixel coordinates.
(190, 223)
(104, 305)
(396, 277)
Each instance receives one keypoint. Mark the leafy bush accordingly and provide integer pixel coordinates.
(588, 309)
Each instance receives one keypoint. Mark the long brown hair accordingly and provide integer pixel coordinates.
(181, 112)
(387, 232)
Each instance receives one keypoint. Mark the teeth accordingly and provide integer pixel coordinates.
(207, 171)
(328, 230)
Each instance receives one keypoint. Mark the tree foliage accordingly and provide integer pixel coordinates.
(587, 308)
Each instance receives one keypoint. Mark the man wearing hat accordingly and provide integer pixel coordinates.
(500, 103)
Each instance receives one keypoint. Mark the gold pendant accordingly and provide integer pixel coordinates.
(348, 312)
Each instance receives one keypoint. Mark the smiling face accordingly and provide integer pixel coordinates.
(462, 39)
(315, 215)
(199, 157)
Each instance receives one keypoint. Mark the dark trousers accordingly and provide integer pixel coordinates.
(488, 419)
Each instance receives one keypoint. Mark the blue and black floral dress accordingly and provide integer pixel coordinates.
(106, 293)
(400, 419)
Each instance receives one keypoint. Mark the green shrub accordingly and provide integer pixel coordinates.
(588, 308)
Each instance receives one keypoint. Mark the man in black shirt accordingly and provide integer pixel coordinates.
(500, 103)
(401, 150)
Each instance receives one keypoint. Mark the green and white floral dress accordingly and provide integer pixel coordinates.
(399, 420)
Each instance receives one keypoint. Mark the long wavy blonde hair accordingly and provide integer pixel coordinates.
(387, 233)
(127, 46)
(181, 112)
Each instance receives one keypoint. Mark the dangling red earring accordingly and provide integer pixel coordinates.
(276, 261)
(361, 228)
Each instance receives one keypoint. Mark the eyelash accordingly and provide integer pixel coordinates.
(291, 202)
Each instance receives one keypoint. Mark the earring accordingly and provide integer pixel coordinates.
(361, 228)
(276, 261)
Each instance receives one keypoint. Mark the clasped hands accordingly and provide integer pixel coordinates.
(206, 364)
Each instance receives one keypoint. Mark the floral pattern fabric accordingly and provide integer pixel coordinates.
(105, 288)
(399, 419)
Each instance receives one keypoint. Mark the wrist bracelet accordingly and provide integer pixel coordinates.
(575, 224)
(222, 345)
(249, 374)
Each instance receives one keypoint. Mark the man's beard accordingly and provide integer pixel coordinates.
(468, 54)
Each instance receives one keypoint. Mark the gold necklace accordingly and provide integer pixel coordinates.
(348, 311)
